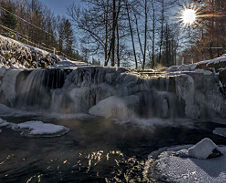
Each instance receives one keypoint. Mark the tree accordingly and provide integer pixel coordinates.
(8, 19)
(69, 38)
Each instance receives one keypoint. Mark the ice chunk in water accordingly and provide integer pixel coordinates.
(40, 129)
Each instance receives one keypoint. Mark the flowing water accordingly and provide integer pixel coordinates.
(95, 150)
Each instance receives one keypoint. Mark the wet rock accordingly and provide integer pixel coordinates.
(215, 154)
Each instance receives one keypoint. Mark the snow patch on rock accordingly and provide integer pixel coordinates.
(203, 149)
(114, 107)
(175, 165)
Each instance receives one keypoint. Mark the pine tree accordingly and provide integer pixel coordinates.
(8, 19)
(69, 37)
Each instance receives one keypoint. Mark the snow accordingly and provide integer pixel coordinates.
(175, 165)
(214, 61)
(26, 56)
(220, 131)
(40, 128)
(202, 149)
(192, 67)
(114, 107)
(36, 128)
(70, 64)
(22, 55)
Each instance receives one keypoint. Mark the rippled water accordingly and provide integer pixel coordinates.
(95, 150)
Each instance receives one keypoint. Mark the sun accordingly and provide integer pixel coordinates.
(188, 16)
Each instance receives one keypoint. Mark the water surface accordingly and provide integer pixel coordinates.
(95, 150)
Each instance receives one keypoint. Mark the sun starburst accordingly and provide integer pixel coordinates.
(189, 16)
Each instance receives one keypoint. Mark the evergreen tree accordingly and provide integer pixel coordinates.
(8, 19)
(69, 37)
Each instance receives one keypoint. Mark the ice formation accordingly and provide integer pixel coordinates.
(36, 128)
(114, 107)
(91, 89)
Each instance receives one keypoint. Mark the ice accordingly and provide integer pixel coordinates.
(9, 83)
(3, 123)
(4, 109)
(114, 107)
(220, 131)
(40, 129)
(36, 128)
(175, 165)
(203, 149)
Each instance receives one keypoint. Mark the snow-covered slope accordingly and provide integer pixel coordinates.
(216, 63)
(15, 54)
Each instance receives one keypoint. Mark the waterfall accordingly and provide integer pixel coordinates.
(108, 92)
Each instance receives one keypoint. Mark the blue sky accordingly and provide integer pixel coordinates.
(59, 7)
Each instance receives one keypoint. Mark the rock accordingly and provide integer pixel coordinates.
(216, 153)
(204, 149)
(114, 107)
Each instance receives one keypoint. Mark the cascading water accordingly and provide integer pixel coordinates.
(90, 89)
(32, 89)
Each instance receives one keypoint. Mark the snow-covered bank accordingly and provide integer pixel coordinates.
(216, 63)
(35, 128)
(15, 54)
(178, 165)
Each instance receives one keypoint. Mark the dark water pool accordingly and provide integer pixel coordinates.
(95, 150)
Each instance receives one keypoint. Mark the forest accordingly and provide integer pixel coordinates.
(123, 33)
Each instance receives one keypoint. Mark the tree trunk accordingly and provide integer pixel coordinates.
(138, 35)
(153, 35)
(118, 43)
(145, 34)
(131, 34)
(162, 27)
(113, 34)
(106, 37)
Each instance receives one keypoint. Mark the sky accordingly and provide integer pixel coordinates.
(59, 7)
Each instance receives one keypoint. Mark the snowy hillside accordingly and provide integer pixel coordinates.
(15, 54)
